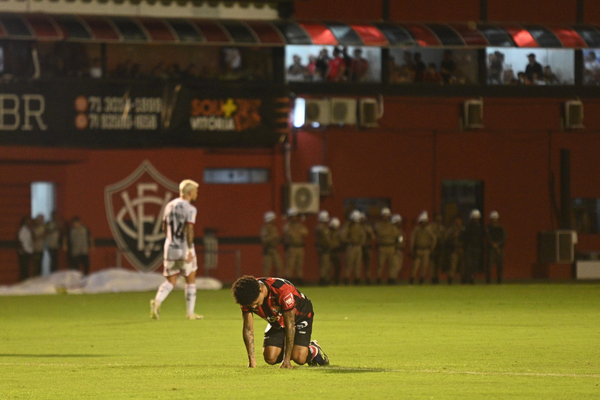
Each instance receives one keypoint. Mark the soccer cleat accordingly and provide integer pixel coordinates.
(194, 316)
(154, 309)
(320, 359)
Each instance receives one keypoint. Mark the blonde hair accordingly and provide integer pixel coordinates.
(186, 186)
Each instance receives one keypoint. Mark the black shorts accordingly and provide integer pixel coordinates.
(275, 335)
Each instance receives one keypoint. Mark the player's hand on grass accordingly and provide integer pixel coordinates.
(286, 365)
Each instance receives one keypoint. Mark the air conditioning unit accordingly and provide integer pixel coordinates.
(556, 247)
(317, 112)
(473, 114)
(321, 175)
(302, 197)
(343, 111)
(368, 113)
(573, 114)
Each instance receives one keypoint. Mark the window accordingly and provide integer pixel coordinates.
(434, 66)
(236, 175)
(332, 64)
(586, 215)
(532, 66)
(459, 198)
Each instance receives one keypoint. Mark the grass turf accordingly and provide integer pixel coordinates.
(538, 341)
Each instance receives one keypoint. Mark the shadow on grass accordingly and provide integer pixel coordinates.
(347, 370)
(53, 355)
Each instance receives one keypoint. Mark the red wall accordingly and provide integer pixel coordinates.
(418, 145)
(537, 11)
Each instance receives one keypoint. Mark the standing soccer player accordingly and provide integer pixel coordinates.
(290, 316)
(180, 256)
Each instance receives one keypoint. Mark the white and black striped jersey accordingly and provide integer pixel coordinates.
(178, 213)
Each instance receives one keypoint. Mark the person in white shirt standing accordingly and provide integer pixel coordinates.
(25, 239)
(180, 256)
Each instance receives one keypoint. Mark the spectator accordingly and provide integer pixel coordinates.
(432, 76)
(322, 65)
(422, 242)
(407, 71)
(311, 67)
(25, 250)
(359, 67)
(270, 239)
(79, 244)
(54, 229)
(549, 77)
(420, 68)
(522, 79)
(495, 68)
(508, 77)
(591, 69)
(447, 68)
(473, 242)
(294, 235)
(337, 67)
(336, 249)
(533, 67)
(496, 239)
(39, 235)
(296, 72)
(347, 63)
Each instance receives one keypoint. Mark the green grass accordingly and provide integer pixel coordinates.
(422, 342)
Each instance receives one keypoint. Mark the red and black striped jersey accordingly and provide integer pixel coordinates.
(283, 296)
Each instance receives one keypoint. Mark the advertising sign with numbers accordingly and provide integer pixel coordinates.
(117, 115)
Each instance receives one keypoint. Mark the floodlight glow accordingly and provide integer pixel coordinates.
(299, 112)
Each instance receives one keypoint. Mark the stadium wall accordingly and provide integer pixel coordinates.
(534, 11)
(418, 145)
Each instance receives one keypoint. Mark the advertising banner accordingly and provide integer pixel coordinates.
(117, 115)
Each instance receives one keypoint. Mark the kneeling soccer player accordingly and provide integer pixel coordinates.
(290, 316)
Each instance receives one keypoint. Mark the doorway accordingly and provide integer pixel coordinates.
(43, 202)
(459, 197)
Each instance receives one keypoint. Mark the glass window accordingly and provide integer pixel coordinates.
(437, 66)
(530, 66)
(586, 215)
(236, 175)
(591, 67)
(332, 64)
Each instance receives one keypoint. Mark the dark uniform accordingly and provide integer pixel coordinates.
(496, 239)
(439, 230)
(473, 242)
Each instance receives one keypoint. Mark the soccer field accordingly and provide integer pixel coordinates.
(525, 341)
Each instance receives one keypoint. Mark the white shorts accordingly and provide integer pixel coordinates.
(180, 267)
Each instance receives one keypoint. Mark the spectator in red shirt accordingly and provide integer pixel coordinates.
(359, 67)
(432, 76)
(337, 67)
